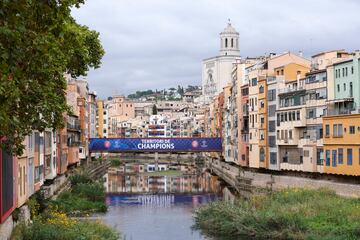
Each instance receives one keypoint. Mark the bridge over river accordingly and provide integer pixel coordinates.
(170, 145)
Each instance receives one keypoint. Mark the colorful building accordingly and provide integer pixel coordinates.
(342, 145)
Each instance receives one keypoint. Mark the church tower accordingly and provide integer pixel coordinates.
(229, 42)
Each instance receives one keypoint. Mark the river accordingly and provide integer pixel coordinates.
(144, 204)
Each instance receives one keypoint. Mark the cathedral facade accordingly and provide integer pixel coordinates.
(216, 71)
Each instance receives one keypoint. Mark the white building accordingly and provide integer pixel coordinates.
(216, 71)
(158, 126)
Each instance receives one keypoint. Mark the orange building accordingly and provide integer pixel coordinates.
(263, 129)
(342, 144)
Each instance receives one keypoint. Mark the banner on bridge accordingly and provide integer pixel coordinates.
(155, 145)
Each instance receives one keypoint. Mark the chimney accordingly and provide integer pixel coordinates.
(357, 53)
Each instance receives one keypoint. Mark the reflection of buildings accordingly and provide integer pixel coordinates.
(125, 180)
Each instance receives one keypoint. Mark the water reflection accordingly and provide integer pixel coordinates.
(174, 179)
(155, 205)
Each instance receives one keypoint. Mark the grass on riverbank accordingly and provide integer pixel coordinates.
(51, 219)
(287, 214)
(58, 226)
(85, 196)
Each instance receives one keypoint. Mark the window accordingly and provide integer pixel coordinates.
(254, 82)
(338, 87)
(340, 155)
(352, 129)
(272, 95)
(226, 42)
(344, 86)
(340, 130)
(272, 141)
(320, 157)
(271, 126)
(290, 134)
(334, 153)
(298, 115)
(273, 158)
(327, 130)
(272, 109)
(337, 130)
(349, 156)
(352, 70)
(327, 157)
(261, 89)
(262, 154)
(31, 141)
(306, 153)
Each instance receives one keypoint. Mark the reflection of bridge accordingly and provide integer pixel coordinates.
(155, 145)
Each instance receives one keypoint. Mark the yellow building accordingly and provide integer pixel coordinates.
(100, 120)
(342, 144)
(291, 71)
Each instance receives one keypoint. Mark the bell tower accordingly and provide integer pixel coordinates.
(229, 41)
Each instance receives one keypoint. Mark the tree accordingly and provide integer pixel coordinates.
(180, 90)
(39, 43)
(154, 110)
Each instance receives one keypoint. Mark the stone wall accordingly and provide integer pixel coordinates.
(266, 180)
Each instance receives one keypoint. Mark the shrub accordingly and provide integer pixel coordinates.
(92, 191)
(81, 177)
(86, 196)
(115, 163)
(57, 226)
(287, 214)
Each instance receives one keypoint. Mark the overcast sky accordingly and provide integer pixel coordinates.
(153, 44)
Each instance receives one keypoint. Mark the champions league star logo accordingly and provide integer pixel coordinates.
(203, 144)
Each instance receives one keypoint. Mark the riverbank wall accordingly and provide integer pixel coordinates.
(245, 180)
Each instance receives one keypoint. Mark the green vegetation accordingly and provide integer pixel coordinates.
(115, 163)
(58, 226)
(287, 214)
(154, 110)
(51, 219)
(171, 173)
(85, 196)
(39, 42)
(140, 94)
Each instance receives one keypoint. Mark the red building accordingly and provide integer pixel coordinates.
(7, 184)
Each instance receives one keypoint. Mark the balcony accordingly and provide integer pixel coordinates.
(336, 112)
(74, 126)
(271, 79)
(291, 90)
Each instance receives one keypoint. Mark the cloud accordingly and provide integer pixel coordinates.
(161, 43)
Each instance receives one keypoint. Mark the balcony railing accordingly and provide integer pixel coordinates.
(289, 90)
(336, 112)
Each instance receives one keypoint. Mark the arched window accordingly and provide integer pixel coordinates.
(237, 43)
(226, 42)
(232, 42)
(262, 154)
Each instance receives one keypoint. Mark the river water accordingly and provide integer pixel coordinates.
(144, 204)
